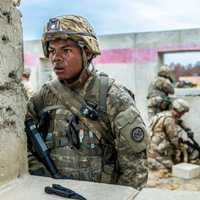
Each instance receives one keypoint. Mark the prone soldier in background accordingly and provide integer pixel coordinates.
(158, 99)
(97, 131)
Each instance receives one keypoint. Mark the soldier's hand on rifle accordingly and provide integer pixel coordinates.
(190, 133)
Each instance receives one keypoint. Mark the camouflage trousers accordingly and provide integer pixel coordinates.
(182, 154)
(160, 162)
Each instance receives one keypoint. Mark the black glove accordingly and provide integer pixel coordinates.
(190, 133)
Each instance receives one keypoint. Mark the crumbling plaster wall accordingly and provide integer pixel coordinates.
(13, 161)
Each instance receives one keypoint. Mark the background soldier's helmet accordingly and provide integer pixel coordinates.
(181, 106)
(73, 27)
(27, 71)
(165, 72)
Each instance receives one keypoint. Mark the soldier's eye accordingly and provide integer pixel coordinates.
(66, 50)
(51, 50)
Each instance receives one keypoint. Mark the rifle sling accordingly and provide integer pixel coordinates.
(73, 103)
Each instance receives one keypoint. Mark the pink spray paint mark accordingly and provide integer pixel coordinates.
(31, 60)
(126, 55)
(140, 55)
(179, 48)
(143, 55)
(114, 56)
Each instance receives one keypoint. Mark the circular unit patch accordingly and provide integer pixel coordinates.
(137, 134)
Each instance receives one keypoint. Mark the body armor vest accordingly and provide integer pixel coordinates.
(77, 151)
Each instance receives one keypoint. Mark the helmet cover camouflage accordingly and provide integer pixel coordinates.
(72, 27)
(165, 72)
(181, 106)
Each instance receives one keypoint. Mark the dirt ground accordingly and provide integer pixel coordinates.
(164, 180)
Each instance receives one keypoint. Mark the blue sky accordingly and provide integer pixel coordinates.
(185, 58)
(113, 16)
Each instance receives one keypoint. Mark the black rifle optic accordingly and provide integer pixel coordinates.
(39, 148)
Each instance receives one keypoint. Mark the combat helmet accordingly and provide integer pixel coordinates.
(27, 71)
(165, 71)
(72, 27)
(181, 106)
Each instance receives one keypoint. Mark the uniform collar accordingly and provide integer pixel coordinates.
(80, 82)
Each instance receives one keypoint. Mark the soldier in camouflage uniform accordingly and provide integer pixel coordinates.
(98, 133)
(26, 82)
(165, 148)
(158, 93)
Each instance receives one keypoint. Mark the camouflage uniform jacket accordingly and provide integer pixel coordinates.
(28, 88)
(85, 163)
(163, 141)
(158, 90)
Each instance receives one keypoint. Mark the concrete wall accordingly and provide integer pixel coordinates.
(13, 153)
(134, 59)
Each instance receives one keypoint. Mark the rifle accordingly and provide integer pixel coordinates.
(44, 124)
(191, 142)
(37, 143)
(194, 145)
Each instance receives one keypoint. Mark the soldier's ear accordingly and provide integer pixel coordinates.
(88, 54)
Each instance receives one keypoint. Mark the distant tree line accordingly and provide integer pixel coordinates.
(185, 70)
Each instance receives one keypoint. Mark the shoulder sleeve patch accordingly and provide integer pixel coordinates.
(137, 134)
(130, 127)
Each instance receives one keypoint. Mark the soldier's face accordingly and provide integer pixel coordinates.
(66, 58)
(176, 114)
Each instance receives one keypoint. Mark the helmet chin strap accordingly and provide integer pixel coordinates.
(84, 56)
(84, 59)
